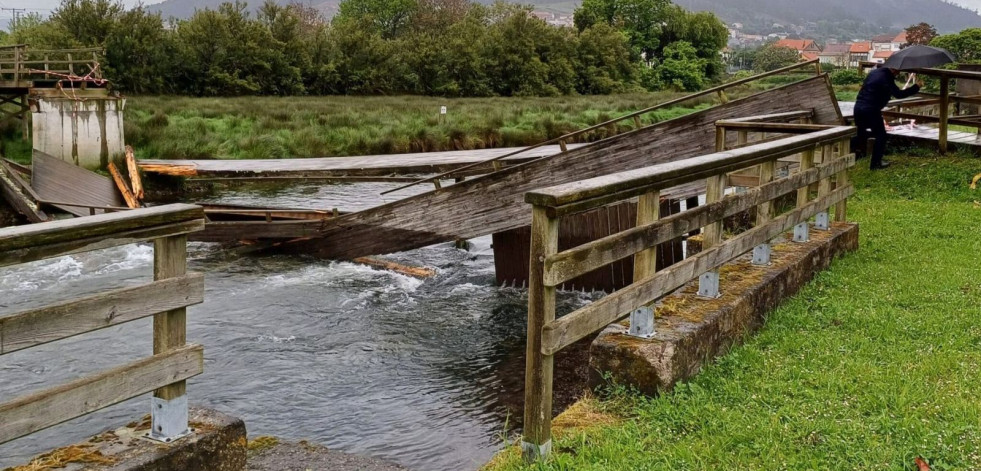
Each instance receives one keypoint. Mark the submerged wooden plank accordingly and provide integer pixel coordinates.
(28, 414)
(495, 202)
(56, 180)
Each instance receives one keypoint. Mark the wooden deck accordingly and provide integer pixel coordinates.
(360, 166)
(926, 133)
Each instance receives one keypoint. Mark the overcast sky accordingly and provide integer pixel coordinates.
(44, 6)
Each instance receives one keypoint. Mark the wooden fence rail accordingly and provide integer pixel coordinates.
(823, 162)
(943, 108)
(19, 64)
(166, 298)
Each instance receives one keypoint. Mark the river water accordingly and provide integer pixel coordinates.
(358, 359)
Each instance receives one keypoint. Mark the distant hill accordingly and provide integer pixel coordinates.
(879, 14)
(185, 8)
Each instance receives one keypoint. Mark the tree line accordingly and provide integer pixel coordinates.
(430, 47)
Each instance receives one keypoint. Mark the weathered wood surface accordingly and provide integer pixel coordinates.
(494, 203)
(924, 133)
(570, 263)
(621, 185)
(170, 327)
(229, 231)
(23, 244)
(585, 321)
(511, 248)
(17, 195)
(134, 173)
(364, 166)
(56, 180)
(37, 411)
(123, 187)
(47, 324)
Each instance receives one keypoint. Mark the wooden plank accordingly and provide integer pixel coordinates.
(495, 202)
(123, 187)
(561, 333)
(12, 193)
(102, 225)
(59, 321)
(56, 180)
(40, 410)
(841, 180)
(170, 327)
(231, 231)
(134, 174)
(570, 263)
(541, 311)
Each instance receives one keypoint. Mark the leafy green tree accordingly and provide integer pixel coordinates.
(965, 46)
(682, 68)
(89, 22)
(642, 20)
(390, 18)
(139, 53)
(41, 34)
(607, 64)
(224, 52)
(772, 57)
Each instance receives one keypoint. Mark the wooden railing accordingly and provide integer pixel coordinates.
(943, 108)
(634, 117)
(19, 63)
(166, 298)
(824, 158)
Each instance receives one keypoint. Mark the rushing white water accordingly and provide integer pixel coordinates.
(357, 358)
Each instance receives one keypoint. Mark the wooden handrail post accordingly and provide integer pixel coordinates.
(17, 60)
(803, 195)
(720, 138)
(648, 211)
(708, 282)
(764, 212)
(944, 111)
(822, 220)
(841, 180)
(169, 403)
(536, 444)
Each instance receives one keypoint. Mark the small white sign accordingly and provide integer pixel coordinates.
(442, 110)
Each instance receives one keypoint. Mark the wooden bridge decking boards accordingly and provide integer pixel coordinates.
(358, 166)
(926, 133)
(495, 202)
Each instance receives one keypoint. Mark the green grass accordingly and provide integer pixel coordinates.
(272, 127)
(874, 363)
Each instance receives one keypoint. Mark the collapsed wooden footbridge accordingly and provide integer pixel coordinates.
(604, 214)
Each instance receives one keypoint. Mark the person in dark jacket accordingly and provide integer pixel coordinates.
(878, 89)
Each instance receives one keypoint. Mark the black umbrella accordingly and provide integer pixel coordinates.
(918, 57)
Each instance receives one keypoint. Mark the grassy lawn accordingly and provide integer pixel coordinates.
(873, 364)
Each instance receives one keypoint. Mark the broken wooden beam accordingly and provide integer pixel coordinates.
(417, 272)
(134, 174)
(123, 187)
(12, 189)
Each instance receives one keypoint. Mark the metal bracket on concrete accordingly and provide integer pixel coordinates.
(801, 232)
(822, 221)
(532, 452)
(708, 284)
(642, 323)
(761, 255)
(168, 419)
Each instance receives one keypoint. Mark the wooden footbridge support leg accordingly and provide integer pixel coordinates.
(536, 443)
(169, 403)
(841, 180)
(802, 230)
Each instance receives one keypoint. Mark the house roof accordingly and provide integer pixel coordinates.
(900, 38)
(860, 48)
(797, 44)
(882, 54)
(836, 49)
(884, 38)
(809, 56)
